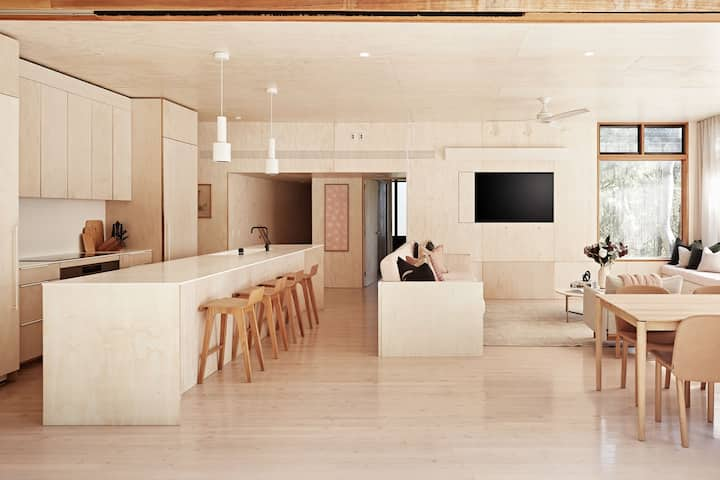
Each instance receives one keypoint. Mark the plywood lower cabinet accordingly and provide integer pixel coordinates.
(31, 300)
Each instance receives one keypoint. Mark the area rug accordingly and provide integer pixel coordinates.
(534, 323)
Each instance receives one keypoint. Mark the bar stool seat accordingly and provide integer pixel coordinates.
(239, 308)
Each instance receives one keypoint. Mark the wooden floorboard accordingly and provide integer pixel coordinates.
(330, 409)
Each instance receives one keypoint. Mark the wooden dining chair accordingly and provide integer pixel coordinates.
(271, 304)
(695, 357)
(660, 341)
(706, 290)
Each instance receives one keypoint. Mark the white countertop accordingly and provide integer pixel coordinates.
(191, 268)
(109, 257)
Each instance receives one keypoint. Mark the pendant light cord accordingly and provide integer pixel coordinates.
(222, 86)
(271, 115)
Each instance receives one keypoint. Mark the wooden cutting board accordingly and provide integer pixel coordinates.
(88, 243)
(95, 229)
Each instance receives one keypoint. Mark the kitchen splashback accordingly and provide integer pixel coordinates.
(50, 226)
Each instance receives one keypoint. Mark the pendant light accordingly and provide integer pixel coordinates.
(272, 167)
(222, 152)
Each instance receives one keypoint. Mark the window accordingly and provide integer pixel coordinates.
(641, 197)
(619, 139)
(664, 139)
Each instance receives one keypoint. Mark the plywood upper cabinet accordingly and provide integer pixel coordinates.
(53, 143)
(79, 147)
(30, 134)
(102, 151)
(179, 123)
(122, 157)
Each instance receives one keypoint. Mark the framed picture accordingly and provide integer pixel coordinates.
(337, 208)
(204, 200)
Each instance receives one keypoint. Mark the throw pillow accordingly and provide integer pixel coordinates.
(715, 248)
(696, 253)
(710, 261)
(416, 250)
(409, 273)
(675, 257)
(430, 245)
(673, 284)
(415, 262)
(437, 257)
(684, 257)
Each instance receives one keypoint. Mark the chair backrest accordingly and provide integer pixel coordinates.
(640, 289)
(280, 284)
(313, 270)
(299, 275)
(622, 325)
(696, 355)
(708, 290)
(256, 295)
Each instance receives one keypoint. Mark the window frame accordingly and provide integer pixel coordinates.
(652, 157)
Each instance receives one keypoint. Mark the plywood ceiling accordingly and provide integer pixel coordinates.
(416, 72)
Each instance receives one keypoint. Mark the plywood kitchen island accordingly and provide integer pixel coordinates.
(121, 347)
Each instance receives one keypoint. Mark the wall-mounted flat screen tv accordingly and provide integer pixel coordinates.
(514, 197)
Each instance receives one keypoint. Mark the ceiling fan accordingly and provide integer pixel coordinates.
(546, 116)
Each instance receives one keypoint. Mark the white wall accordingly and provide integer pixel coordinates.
(49, 226)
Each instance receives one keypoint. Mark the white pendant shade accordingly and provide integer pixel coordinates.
(272, 166)
(222, 151)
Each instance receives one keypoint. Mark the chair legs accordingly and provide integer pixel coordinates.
(280, 318)
(240, 335)
(205, 349)
(308, 307)
(255, 332)
(298, 313)
(683, 412)
(266, 313)
(667, 378)
(711, 402)
(311, 288)
(658, 391)
(623, 367)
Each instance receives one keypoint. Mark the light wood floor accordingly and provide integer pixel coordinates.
(330, 409)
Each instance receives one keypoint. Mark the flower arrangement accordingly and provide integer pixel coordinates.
(607, 252)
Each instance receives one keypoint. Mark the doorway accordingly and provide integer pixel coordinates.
(376, 231)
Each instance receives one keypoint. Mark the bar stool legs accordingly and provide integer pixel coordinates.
(240, 337)
(280, 318)
(266, 313)
(205, 348)
(312, 297)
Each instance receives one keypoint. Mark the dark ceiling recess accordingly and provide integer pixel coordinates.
(297, 13)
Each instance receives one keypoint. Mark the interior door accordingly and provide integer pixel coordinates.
(371, 232)
(179, 199)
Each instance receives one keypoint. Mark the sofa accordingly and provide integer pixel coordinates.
(429, 319)
(692, 279)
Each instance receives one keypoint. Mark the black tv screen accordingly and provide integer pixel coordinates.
(513, 197)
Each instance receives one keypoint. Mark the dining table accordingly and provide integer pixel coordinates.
(647, 313)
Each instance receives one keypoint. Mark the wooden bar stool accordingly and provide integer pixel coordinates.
(238, 308)
(308, 285)
(286, 301)
(271, 297)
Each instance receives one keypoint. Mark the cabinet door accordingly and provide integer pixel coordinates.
(102, 151)
(9, 328)
(53, 144)
(122, 159)
(30, 113)
(79, 146)
(179, 199)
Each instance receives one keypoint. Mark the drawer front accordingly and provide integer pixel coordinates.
(39, 274)
(31, 341)
(30, 303)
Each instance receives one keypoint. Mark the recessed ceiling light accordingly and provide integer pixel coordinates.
(364, 54)
(589, 53)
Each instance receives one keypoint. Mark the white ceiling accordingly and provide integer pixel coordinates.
(416, 71)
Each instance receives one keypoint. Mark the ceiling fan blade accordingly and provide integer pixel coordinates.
(571, 113)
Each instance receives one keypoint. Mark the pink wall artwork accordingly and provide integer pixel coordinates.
(337, 208)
